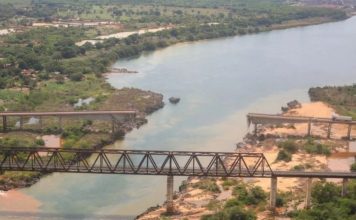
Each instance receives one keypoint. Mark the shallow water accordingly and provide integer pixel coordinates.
(219, 82)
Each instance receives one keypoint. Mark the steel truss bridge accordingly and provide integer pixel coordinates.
(138, 162)
(167, 163)
(143, 162)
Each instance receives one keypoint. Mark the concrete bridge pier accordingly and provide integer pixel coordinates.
(349, 131)
(60, 122)
(344, 187)
(329, 130)
(255, 129)
(113, 130)
(308, 193)
(273, 193)
(40, 122)
(169, 202)
(21, 122)
(309, 128)
(4, 123)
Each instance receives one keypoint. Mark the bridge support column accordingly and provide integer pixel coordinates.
(329, 131)
(349, 132)
(4, 123)
(344, 187)
(21, 122)
(308, 193)
(60, 122)
(113, 127)
(273, 193)
(40, 122)
(309, 128)
(169, 202)
(255, 130)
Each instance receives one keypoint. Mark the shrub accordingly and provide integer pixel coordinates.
(183, 186)
(232, 202)
(233, 213)
(279, 201)
(240, 191)
(323, 192)
(353, 167)
(317, 149)
(255, 196)
(229, 182)
(284, 156)
(214, 205)
(76, 77)
(39, 142)
(298, 167)
(208, 185)
(289, 146)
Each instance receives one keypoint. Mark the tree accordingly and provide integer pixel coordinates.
(324, 192)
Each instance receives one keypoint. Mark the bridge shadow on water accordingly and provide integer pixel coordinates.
(9, 215)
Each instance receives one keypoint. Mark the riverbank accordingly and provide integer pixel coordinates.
(194, 202)
(80, 134)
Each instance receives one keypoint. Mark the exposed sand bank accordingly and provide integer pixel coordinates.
(313, 109)
(15, 201)
(121, 35)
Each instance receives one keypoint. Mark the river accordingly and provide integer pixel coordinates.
(218, 81)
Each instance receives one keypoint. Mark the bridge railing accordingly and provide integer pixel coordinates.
(139, 162)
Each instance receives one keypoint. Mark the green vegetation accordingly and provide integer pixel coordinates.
(229, 182)
(353, 167)
(288, 148)
(139, 12)
(235, 212)
(235, 208)
(310, 146)
(317, 148)
(342, 98)
(207, 185)
(284, 156)
(328, 203)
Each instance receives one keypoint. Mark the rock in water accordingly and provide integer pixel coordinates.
(174, 100)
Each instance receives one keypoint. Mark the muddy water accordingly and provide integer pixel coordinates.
(343, 161)
(218, 81)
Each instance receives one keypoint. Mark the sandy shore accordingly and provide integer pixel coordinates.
(16, 201)
(121, 35)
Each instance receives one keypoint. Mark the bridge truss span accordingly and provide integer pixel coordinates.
(136, 162)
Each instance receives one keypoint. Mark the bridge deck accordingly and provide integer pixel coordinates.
(258, 118)
(140, 162)
(68, 113)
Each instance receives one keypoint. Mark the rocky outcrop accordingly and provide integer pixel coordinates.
(174, 100)
(122, 70)
(291, 105)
